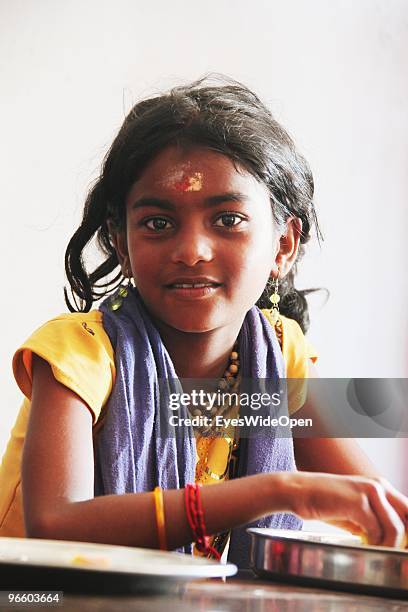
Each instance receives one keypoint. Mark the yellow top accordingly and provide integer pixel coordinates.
(81, 357)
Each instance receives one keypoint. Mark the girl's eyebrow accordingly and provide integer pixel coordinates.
(234, 196)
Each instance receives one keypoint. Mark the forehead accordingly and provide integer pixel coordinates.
(176, 172)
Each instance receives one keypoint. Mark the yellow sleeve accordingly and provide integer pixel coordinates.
(296, 349)
(80, 355)
(297, 352)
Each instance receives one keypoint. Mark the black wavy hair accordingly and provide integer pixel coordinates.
(225, 117)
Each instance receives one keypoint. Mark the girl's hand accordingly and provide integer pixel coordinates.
(372, 508)
(399, 502)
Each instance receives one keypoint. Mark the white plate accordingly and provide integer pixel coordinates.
(105, 558)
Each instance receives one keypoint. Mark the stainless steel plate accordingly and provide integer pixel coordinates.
(329, 561)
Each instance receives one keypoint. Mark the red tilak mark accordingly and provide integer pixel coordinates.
(183, 185)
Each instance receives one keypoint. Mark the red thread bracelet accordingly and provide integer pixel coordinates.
(195, 517)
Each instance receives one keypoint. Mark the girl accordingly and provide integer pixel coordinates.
(205, 205)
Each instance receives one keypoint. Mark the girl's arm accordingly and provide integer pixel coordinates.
(57, 481)
(333, 455)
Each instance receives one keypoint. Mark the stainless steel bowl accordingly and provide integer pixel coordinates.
(329, 561)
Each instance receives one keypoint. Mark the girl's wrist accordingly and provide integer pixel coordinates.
(284, 489)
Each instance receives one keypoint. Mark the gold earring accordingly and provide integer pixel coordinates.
(117, 299)
(275, 299)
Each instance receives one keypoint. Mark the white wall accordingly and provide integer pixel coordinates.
(334, 73)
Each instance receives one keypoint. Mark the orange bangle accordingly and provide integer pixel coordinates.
(159, 504)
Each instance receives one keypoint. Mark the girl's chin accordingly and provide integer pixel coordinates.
(190, 325)
(193, 327)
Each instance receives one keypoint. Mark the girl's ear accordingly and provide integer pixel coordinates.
(287, 248)
(118, 240)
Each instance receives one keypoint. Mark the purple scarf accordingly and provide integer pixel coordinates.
(132, 454)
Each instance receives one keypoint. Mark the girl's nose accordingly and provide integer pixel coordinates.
(192, 246)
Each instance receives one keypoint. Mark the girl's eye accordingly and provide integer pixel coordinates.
(229, 220)
(157, 224)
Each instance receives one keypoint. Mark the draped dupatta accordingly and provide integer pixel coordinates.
(131, 452)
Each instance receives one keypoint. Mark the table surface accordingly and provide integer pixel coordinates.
(233, 595)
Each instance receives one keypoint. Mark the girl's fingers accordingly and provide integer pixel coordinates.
(393, 529)
(366, 507)
(398, 501)
(373, 517)
(400, 504)
(369, 521)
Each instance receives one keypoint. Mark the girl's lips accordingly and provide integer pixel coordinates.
(193, 292)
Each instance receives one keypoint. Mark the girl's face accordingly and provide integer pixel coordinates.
(200, 239)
